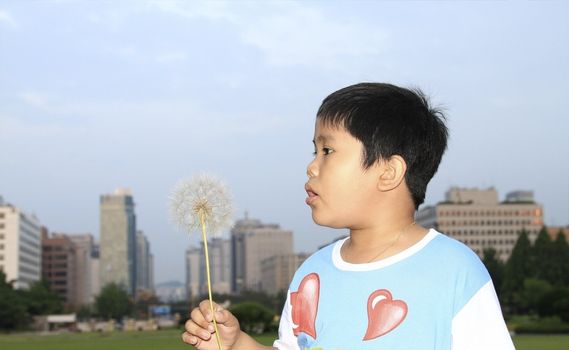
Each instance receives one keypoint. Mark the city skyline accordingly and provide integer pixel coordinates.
(140, 94)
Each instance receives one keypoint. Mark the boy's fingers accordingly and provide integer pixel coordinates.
(224, 317)
(198, 317)
(206, 309)
(195, 330)
(190, 339)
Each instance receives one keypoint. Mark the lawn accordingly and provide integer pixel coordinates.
(170, 340)
(160, 340)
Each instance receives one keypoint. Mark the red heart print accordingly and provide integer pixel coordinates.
(304, 305)
(383, 313)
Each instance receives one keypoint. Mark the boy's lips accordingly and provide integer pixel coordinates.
(312, 196)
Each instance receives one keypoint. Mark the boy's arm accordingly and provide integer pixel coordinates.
(245, 342)
(201, 334)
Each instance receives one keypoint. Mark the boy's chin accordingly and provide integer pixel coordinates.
(322, 220)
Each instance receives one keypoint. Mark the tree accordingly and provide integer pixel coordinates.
(554, 302)
(143, 302)
(253, 317)
(560, 253)
(279, 301)
(530, 298)
(12, 307)
(517, 269)
(85, 312)
(562, 307)
(546, 261)
(41, 300)
(495, 267)
(113, 302)
(543, 261)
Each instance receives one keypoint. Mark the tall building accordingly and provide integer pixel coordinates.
(277, 271)
(220, 268)
(20, 246)
(59, 267)
(151, 271)
(95, 272)
(84, 245)
(118, 240)
(478, 219)
(220, 265)
(251, 242)
(143, 262)
(194, 276)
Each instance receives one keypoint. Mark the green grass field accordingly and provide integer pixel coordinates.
(170, 340)
(160, 340)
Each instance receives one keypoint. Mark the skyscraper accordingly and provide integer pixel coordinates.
(220, 261)
(118, 240)
(193, 272)
(95, 272)
(143, 262)
(84, 245)
(20, 246)
(251, 242)
(278, 270)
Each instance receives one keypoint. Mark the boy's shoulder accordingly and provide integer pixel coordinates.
(322, 258)
(458, 253)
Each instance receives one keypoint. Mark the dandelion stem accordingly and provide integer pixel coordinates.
(208, 274)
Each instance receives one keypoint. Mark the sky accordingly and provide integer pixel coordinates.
(97, 95)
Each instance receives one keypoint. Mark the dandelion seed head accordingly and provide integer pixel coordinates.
(204, 197)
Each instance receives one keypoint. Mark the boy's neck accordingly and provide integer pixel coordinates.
(380, 234)
(386, 234)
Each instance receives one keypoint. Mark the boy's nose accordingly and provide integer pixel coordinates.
(312, 169)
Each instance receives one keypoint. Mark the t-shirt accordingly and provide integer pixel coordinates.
(435, 295)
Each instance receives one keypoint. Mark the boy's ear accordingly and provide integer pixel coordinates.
(391, 173)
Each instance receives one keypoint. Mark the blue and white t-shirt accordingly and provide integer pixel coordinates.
(434, 295)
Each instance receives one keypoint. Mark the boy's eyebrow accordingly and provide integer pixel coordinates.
(323, 138)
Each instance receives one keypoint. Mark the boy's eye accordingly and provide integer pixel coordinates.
(325, 150)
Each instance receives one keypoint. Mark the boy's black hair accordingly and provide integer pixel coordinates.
(390, 120)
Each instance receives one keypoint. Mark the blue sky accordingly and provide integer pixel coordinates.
(96, 95)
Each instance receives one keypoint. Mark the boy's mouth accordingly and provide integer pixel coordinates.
(312, 196)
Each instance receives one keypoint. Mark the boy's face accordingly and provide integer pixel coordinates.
(341, 193)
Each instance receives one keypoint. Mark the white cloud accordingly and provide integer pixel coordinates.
(212, 10)
(171, 57)
(173, 115)
(35, 99)
(7, 19)
(298, 35)
(288, 33)
(113, 20)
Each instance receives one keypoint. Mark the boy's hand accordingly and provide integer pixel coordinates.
(200, 332)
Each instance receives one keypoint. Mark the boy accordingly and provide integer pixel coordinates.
(391, 284)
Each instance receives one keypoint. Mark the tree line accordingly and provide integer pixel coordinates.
(535, 279)
(19, 306)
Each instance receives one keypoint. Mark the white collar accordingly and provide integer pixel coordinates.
(346, 266)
